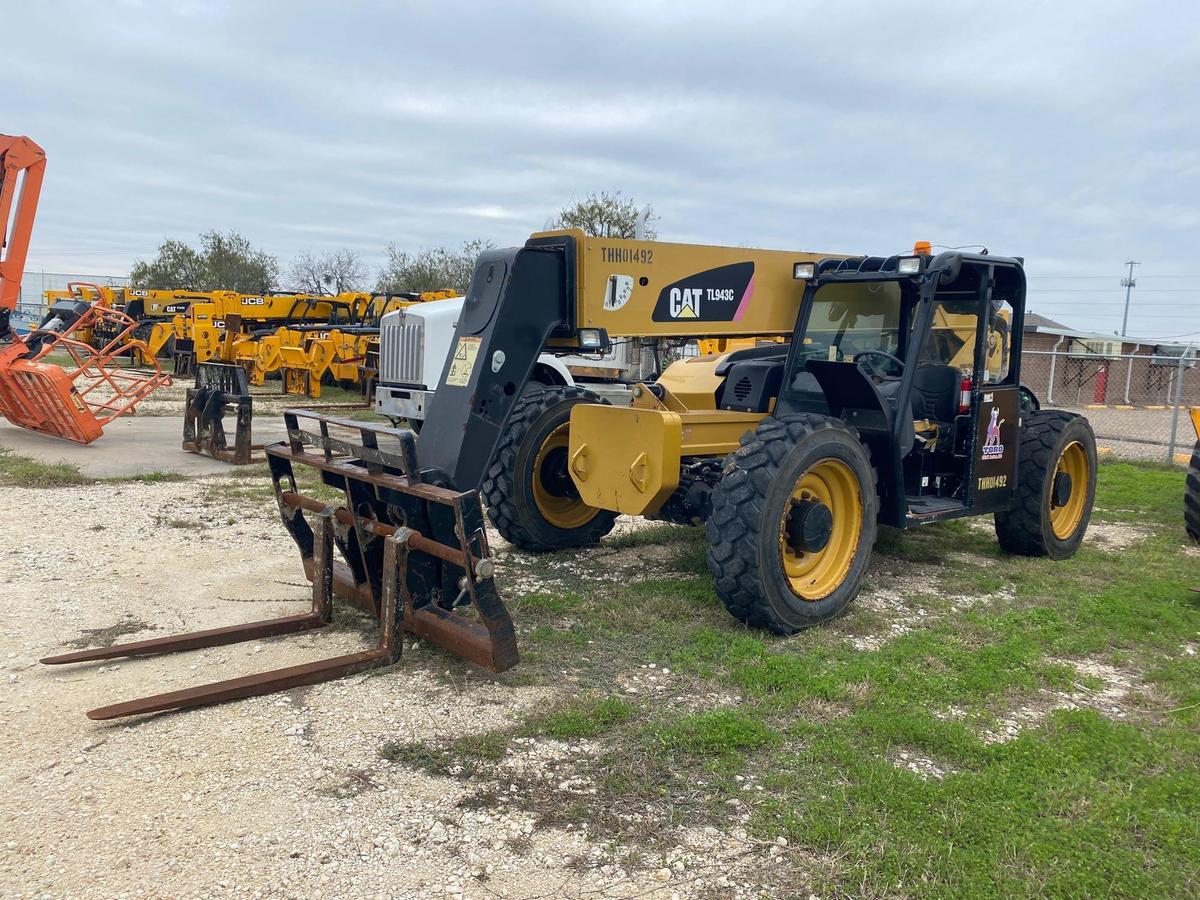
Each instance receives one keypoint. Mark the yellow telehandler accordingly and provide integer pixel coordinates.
(792, 454)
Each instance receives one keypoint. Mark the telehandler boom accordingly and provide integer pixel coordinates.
(895, 400)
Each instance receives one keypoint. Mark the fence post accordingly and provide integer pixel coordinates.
(1129, 372)
(1050, 385)
(1178, 403)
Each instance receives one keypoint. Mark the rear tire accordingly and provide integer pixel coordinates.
(530, 496)
(1191, 496)
(763, 570)
(1042, 521)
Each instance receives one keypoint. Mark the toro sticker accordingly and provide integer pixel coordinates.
(715, 295)
(992, 448)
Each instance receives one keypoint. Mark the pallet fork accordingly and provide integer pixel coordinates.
(220, 388)
(413, 555)
(410, 526)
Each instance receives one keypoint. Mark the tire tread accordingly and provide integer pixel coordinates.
(1191, 496)
(1020, 528)
(499, 486)
(734, 527)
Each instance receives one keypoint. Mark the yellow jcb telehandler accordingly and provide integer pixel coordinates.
(792, 453)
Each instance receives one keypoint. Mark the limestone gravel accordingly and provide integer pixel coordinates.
(284, 795)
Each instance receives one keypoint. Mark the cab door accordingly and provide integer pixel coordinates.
(992, 464)
(996, 408)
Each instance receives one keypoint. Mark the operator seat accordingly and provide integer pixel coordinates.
(935, 392)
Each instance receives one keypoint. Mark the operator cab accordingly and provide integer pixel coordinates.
(918, 361)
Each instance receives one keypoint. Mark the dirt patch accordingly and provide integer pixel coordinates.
(921, 766)
(561, 785)
(568, 570)
(897, 599)
(1111, 699)
(1115, 535)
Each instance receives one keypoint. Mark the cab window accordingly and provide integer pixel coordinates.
(997, 357)
(847, 319)
(953, 335)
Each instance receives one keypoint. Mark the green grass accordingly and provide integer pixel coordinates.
(1139, 491)
(586, 719)
(21, 471)
(717, 737)
(1082, 802)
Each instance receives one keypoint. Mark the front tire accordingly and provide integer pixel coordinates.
(793, 523)
(1056, 486)
(529, 493)
(1191, 496)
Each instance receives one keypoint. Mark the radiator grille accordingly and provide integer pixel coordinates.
(402, 350)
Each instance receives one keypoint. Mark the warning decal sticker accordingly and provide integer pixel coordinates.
(463, 363)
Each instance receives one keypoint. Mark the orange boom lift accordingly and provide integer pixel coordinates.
(76, 400)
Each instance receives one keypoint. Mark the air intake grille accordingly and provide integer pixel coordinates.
(402, 350)
(742, 389)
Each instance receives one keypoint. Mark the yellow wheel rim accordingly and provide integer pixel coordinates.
(559, 510)
(1065, 518)
(814, 575)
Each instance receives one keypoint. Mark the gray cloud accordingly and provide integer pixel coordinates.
(1067, 133)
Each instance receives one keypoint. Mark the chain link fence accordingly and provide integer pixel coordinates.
(1137, 403)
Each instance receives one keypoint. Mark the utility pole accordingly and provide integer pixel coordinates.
(1128, 283)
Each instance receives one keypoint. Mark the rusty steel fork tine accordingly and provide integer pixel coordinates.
(194, 640)
(247, 686)
(386, 652)
(320, 615)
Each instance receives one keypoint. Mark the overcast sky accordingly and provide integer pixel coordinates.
(1068, 133)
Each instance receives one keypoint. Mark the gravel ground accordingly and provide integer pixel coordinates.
(288, 795)
(283, 795)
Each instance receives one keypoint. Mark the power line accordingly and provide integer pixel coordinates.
(1113, 291)
(1035, 275)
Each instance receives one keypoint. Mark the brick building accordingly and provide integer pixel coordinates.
(1068, 367)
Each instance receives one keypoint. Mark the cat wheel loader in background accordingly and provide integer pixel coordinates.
(872, 413)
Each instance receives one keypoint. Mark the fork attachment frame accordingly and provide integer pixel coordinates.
(412, 555)
(449, 565)
(220, 387)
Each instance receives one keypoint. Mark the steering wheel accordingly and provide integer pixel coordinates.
(888, 356)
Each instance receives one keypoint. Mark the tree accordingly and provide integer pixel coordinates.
(606, 215)
(335, 273)
(436, 269)
(224, 262)
(177, 267)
